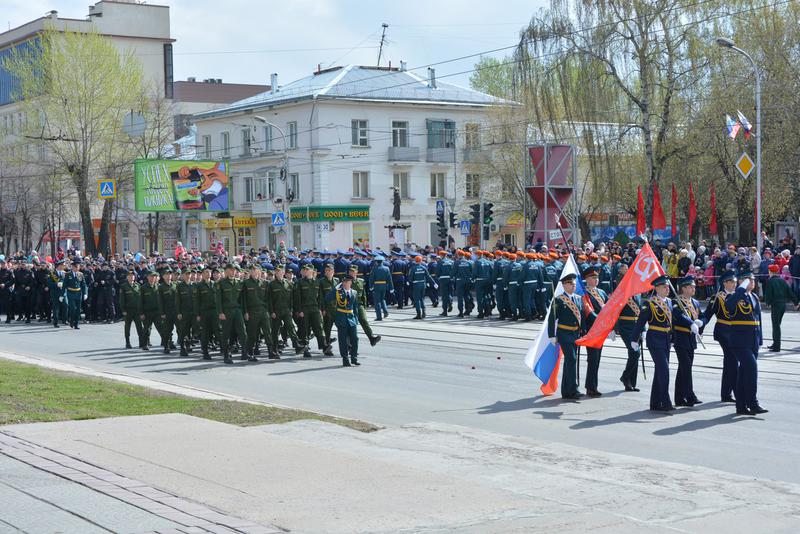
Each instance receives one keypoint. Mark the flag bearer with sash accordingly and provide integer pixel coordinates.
(722, 334)
(593, 301)
(626, 323)
(685, 341)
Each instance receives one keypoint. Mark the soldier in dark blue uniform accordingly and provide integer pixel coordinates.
(419, 277)
(380, 280)
(6, 290)
(564, 327)
(657, 313)
(445, 274)
(626, 323)
(433, 269)
(746, 331)
(482, 272)
(341, 265)
(500, 288)
(722, 334)
(398, 269)
(593, 301)
(463, 266)
(685, 341)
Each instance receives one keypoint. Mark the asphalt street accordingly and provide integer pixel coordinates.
(470, 372)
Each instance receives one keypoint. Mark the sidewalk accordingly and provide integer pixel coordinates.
(315, 477)
(42, 490)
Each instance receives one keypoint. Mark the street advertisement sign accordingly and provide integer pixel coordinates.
(180, 185)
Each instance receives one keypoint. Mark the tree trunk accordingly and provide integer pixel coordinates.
(104, 240)
(86, 224)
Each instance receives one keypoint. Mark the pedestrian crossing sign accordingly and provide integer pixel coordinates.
(106, 188)
(278, 219)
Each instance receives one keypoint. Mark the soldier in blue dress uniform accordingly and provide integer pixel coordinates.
(657, 313)
(463, 266)
(482, 272)
(500, 289)
(564, 327)
(626, 323)
(419, 277)
(685, 341)
(722, 334)
(745, 323)
(445, 274)
(398, 268)
(593, 301)
(380, 280)
(346, 319)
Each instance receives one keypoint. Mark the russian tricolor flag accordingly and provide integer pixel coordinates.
(733, 126)
(543, 358)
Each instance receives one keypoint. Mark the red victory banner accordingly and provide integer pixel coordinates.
(638, 279)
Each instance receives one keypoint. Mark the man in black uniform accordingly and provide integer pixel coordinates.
(6, 287)
(104, 283)
(23, 292)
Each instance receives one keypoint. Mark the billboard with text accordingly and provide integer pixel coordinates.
(180, 185)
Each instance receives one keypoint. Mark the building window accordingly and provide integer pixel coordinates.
(255, 188)
(294, 185)
(401, 184)
(248, 189)
(510, 239)
(441, 133)
(292, 135)
(399, 134)
(437, 185)
(360, 184)
(207, 146)
(473, 136)
(225, 141)
(473, 185)
(246, 142)
(168, 75)
(272, 176)
(268, 138)
(359, 131)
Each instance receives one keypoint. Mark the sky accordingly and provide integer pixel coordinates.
(244, 41)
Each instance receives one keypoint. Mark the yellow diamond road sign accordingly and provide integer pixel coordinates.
(745, 165)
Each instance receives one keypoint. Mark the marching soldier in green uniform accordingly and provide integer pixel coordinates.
(77, 292)
(358, 287)
(205, 310)
(346, 302)
(308, 308)
(327, 283)
(169, 310)
(564, 328)
(184, 303)
(280, 309)
(151, 307)
(130, 302)
(229, 311)
(58, 294)
(256, 317)
(777, 294)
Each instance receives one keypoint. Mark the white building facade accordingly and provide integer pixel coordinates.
(326, 151)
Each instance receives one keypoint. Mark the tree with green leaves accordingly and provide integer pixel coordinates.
(75, 88)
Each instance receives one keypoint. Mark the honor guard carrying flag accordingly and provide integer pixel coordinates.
(593, 299)
(745, 323)
(625, 326)
(564, 327)
(685, 341)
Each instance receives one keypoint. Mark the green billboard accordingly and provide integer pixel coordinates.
(180, 185)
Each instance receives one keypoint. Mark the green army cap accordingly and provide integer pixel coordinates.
(280, 267)
(354, 268)
(308, 267)
(231, 266)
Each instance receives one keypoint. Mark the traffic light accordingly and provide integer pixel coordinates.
(475, 214)
(486, 232)
(487, 212)
(442, 233)
(440, 220)
(453, 222)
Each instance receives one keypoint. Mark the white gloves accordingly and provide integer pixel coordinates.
(435, 286)
(635, 345)
(85, 297)
(612, 336)
(694, 328)
(60, 285)
(60, 299)
(553, 341)
(745, 283)
(698, 322)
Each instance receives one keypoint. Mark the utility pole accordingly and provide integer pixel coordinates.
(383, 40)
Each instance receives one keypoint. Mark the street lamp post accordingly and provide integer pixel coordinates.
(284, 170)
(728, 43)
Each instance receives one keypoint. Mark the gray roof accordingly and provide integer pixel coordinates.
(363, 84)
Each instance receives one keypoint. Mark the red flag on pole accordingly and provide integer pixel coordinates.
(674, 210)
(713, 224)
(692, 210)
(638, 279)
(659, 222)
(640, 220)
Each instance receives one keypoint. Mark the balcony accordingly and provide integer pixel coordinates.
(475, 155)
(441, 155)
(403, 153)
(261, 207)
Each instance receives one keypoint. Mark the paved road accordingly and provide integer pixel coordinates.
(423, 371)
